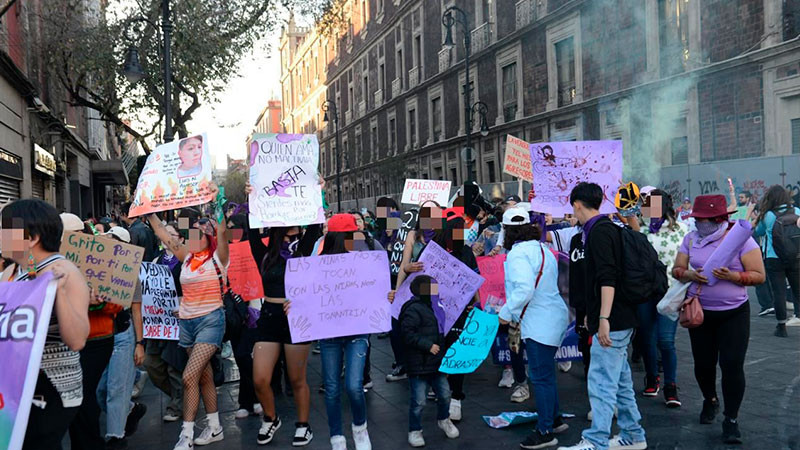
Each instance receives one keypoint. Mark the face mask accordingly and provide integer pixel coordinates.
(288, 249)
(428, 235)
(705, 228)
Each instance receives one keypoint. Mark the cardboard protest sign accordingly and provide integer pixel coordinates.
(517, 161)
(159, 300)
(567, 351)
(111, 267)
(473, 344)
(493, 291)
(243, 272)
(457, 283)
(25, 308)
(416, 192)
(338, 295)
(283, 174)
(176, 175)
(407, 223)
(560, 166)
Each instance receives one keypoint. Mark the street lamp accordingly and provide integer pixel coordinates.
(481, 109)
(330, 106)
(132, 69)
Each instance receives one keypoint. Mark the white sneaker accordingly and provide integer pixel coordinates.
(257, 409)
(793, 322)
(338, 443)
(241, 413)
(521, 393)
(184, 443)
(208, 436)
(582, 445)
(138, 387)
(618, 443)
(455, 410)
(789, 306)
(171, 417)
(449, 428)
(415, 439)
(565, 366)
(507, 380)
(361, 437)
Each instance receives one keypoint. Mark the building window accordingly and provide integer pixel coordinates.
(454, 175)
(436, 114)
(490, 171)
(565, 63)
(680, 149)
(510, 92)
(364, 13)
(795, 136)
(399, 66)
(673, 36)
(392, 134)
(412, 127)
(351, 97)
(437, 173)
(373, 138)
(358, 146)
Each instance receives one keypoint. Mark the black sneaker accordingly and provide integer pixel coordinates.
(766, 312)
(398, 373)
(136, 414)
(115, 443)
(268, 429)
(709, 412)
(539, 440)
(652, 386)
(780, 330)
(302, 435)
(321, 389)
(383, 335)
(730, 432)
(559, 426)
(671, 396)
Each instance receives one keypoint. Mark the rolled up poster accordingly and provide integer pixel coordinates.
(728, 249)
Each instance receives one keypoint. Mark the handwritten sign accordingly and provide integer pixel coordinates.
(473, 344)
(493, 291)
(243, 272)
(338, 295)
(457, 283)
(416, 192)
(407, 223)
(110, 267)
(560, 166)
(25, 308)
(283, 174)
(517, 161)
(159, 300)
(176, 175)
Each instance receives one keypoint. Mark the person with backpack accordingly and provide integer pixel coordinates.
(598, 260)
(777, 222)
(724, 331)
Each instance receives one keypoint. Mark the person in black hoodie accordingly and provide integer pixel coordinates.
(424, 352)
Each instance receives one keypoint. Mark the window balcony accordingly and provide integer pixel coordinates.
(480, 37)
(413, 77)
(525, 13)
(362, 108)
(348, 116)
(378, 98)
(397, 87)
(445, 59)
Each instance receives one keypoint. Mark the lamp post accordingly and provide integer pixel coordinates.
(481, 109)
(330, 106)
(133, 71)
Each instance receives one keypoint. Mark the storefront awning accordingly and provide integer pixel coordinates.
(109, 172)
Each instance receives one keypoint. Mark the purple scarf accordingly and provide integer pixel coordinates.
(169, 260)
(587, 227)
(655, 225)
(438, 311)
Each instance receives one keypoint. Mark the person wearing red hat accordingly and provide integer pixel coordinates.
(725, 331)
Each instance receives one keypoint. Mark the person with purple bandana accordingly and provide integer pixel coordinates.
(725, 331)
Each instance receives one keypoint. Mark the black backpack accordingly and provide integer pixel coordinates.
(644, 276)
(786, 236)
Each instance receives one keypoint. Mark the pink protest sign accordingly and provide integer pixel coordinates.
(243, 272)
(493, 291)
(338, 295)
(560, 166)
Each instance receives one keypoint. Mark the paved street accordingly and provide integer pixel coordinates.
(770, 415)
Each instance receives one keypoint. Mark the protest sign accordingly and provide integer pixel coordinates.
(567, 351)
(560, 166)
(25, 308)
(159, 300)
(176, 175)
(110, 267)
(338, 295)
(416, 192)
(493, 291)
(517, 161)
(283, 174)
(243, 272)
(473, 344)
(407, 223)
(457, 283)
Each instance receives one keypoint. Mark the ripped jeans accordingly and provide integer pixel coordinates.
(352, 352)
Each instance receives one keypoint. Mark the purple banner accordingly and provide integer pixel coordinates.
(457, 283)
(338, 295)
(25, 308)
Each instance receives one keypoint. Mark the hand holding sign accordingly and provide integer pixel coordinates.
(472, 346)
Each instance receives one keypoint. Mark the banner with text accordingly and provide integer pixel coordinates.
(110, 267)
(243, 272)
(25, 308)
(338, 295)
(473, 344)
(567, 351)
(517, 161)
(416, 192)
(159, 301)
(493, 291)
(407, 223)
(176, 175)
(283, 174)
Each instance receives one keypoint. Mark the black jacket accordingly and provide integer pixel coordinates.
(420, 331)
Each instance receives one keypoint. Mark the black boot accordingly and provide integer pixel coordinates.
(730, 431)
(710, 410)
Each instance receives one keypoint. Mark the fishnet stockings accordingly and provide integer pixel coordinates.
(198, 378)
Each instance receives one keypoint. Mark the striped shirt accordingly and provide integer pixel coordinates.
(202, 293)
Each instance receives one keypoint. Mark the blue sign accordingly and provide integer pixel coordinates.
(473, 345)
(568, 351)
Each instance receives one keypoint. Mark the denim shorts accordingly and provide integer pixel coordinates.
(207, 329)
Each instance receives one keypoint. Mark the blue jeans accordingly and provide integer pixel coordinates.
(658, 332)
(541, 360)
(116, 384)
(418, 392)
(354, 350)
(610, 385)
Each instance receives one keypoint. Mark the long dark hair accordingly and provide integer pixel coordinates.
(334, 243)
(775, 197)
(667, 208)
(276, 235)
(520, 233)
(445, 239)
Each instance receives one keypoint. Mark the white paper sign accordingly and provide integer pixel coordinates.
(416, 192)
(159, 300)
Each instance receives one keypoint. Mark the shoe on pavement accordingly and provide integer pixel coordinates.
(520, 393)
(582, 445)
(789, 306)
(268, 429)
(134, 416)
(559, 426)
(431, 395)
(315, 349)
(455, 409)
(209, 435)
(449, 428)
(780, 330)
(565, 366)
(368, 385)
(620, 443)
(766, 311)
(538, 440)
(671, 396)
(507, 380)
(171, 417)
(138, 386)
(398, 373)
(115, 443)
(652, 386)
(793, 322)
(709, 412)
(302, 435)
(338, 442)
(184, 443)
(241, 413)
(415, 439)
(257, 409)
(730, 432)
(361, 437)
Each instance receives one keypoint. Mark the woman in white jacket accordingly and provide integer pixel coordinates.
(533, 301)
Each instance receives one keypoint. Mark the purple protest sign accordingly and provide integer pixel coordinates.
(338, 295)
(25, 308)
(457, 283)
(729, 248)
(560, 166)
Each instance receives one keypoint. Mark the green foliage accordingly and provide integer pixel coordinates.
(234, 186)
